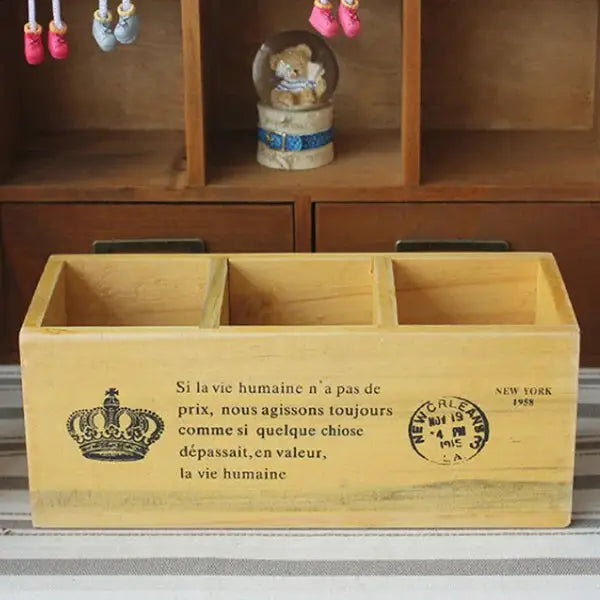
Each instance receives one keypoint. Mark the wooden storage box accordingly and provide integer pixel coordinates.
(300, 391)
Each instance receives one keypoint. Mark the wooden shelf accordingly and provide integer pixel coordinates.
(99, 159)
(511, 158)
(150, 166)
(363, 159)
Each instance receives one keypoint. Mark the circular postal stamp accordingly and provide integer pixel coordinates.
(448, 430)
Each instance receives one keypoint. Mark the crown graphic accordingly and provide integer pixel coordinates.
(112, 432)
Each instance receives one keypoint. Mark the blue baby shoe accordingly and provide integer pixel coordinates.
(128, 26)
(102, 31)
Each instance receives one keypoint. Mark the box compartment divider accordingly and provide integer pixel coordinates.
(385, 312)
(215, 306)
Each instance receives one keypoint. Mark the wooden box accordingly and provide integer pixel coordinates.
(340, 390)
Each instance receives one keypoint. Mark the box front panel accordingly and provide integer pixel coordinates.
(306, 429)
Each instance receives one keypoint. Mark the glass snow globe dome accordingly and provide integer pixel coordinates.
(295, 70)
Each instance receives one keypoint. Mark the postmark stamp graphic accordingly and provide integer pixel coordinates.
(449, 430)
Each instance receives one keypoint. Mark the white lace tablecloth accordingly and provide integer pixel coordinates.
(147, 565)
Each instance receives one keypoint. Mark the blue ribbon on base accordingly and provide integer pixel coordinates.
(294, 143)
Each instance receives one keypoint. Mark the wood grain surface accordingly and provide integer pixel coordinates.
(316, 421)
(100, 159)
(507, 64)
(194, 93)
(511, 158)
(411, 91)
(263, 292)
(98, 296)
(570, 231)
(362, 159)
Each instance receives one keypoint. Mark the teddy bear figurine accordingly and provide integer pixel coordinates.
(301, 81)
(295, 74)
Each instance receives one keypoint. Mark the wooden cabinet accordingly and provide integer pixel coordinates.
(470, 107)
(31, 232)
(469, 97)
(570, 231)
(177, 109)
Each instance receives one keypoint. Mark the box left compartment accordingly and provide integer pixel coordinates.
(120, 291)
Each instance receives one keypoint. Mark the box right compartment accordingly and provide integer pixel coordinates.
(479, 291)
(509, 92)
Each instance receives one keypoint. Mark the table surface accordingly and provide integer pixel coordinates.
(185, 564)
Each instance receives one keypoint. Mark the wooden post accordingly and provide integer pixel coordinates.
(215, 309)
(192, 74)
(385, 312)
(303, 224)
(411, 92)
(597, 86)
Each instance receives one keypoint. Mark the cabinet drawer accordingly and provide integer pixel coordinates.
(571, 231)
(31, 232)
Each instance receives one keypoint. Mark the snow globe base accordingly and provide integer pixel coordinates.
(295, 140)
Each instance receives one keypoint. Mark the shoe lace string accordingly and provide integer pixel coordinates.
(352, 12)
(35, 40)
(326, 12)
(330, 18)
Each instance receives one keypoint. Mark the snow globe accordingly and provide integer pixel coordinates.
(295, 74)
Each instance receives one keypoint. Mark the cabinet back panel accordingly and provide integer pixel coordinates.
(509, 64)
(8, 104)
(133, 87)
(369, 92)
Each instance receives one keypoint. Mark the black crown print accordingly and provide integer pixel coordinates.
(113, 432)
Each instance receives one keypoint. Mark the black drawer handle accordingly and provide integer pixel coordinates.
(452, 246)
(150, 246)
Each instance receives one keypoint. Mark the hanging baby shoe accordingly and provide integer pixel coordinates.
(128, 25)
(322, 19)
(57, 41)
(102, 31)
(34, 48)
(348, 16)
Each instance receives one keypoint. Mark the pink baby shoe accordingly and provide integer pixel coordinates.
(322, 19)
(348, 16)
(57, 41)
(34, 49)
